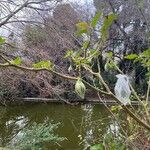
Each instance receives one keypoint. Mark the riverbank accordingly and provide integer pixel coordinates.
(28, 100)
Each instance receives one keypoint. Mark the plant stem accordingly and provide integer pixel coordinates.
(148, 91)
(132, 114)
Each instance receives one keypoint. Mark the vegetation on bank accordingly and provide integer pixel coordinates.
(35, 137)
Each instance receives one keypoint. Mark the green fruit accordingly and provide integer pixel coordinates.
(80, 88)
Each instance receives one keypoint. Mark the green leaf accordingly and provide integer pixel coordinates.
(106, 24)
(93, 53)
(146, 53)
(109, 54)
(122, 147)
(95, 19)
(131, 56)
(110, 65)
(80, 88)
(43, 64)
(147, 64)
(97, 147)
(77, 54)
(2, 40)
(80, 32)
(85, 44)
(148, 73)
(85, 61)
(116, 108)
(17, 61)
(68, 54)
(82, 26)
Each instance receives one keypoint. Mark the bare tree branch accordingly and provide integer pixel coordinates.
(13, 13)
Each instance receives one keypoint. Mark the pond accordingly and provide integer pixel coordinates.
(81, 125)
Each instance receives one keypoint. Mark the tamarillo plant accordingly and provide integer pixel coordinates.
(83, 60)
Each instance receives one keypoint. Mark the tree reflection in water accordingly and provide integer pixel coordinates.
(82, 125)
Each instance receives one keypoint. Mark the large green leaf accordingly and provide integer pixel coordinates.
(95, 19)
(106, 24)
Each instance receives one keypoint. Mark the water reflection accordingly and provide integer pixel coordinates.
(88, 137)
(82, 125)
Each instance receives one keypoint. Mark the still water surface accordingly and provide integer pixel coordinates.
(82, 125)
